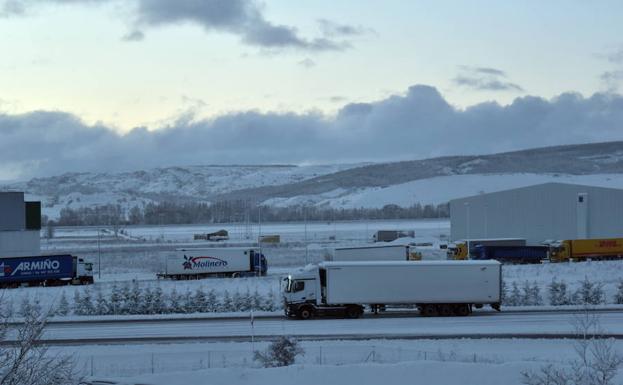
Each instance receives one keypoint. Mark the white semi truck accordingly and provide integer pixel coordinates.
(444, 288)
(203, 262)
(375, 253)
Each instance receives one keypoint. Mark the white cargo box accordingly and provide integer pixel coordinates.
(372, 253)
(411, 282)
(210, 260)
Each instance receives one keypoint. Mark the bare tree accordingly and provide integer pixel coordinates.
(25, 362)
(597, 360)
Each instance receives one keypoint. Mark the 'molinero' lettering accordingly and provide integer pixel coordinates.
(206, 262)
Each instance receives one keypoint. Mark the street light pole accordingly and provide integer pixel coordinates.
(99, 256)
(305, 220)
(468, 235)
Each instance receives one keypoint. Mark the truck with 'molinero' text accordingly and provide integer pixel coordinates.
(221, 262)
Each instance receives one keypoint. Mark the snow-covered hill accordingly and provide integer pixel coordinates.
(404, 183)
(129, 189)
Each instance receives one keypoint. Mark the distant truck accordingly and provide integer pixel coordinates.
(45, 270)
(437, 288)
(391, 235)
(583, 249)
(458, 250)
(220, 235)
(375, 253)
(511, 254)
(223, 262)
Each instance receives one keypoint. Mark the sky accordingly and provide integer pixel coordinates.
(111, 85)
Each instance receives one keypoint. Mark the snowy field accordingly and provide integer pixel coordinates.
(459, 361)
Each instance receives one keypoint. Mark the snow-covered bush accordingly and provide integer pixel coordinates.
(514, 298)
(618, 297)
(557, 292)
(281, 352)
(589, 293)
(531, 295)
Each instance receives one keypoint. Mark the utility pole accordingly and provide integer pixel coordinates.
(99, 256)
(305, 220)
(468, 234)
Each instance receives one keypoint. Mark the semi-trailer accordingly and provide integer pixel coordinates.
(583, 249)
(458, 250)
(391, 235)
(511, 254)
(444, 288)
(224, 262)
(375, 253)
(45, 270)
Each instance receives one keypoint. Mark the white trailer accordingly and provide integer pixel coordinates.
(374, 253)
(203, 262)
(444, 288)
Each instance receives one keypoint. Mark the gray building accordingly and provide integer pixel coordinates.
(20, 225)
(549, 211)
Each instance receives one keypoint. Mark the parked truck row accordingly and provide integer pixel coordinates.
(514, 250)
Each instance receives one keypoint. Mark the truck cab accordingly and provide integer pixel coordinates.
(84, 271)
(300, 293)
(260, 264)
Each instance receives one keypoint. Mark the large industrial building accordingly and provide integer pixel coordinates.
(549, 211)
(20, 225)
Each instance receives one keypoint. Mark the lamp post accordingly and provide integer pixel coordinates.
(99, 256)
(305, 220)
(468, 235)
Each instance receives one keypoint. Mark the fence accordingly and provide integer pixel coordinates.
(123, 365)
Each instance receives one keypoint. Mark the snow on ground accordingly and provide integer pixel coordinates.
(442, 189)
(458, 361)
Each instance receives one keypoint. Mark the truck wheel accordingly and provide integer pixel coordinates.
(235, 275)
(461, 310)
(353, 312)
(445, 310)
(305, 312)
(428, 311)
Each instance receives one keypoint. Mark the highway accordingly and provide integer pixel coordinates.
(547, 324)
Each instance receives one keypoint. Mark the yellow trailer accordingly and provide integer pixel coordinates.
(583, 249)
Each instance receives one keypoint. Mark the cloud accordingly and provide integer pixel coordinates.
(243, 18)
(332, 29)
(616, 56)
(12, 8)
(612, 79)
(307, 63)
(485, 79)
(417, 124)
(135, 35)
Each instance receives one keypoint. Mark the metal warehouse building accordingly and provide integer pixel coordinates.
(549, 211)
(20, 225)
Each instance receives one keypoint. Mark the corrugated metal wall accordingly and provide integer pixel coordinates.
(19, 243)
(12, 211)
(538, 213)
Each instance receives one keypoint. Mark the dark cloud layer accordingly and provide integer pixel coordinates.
(243, 18)
(419, 124)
